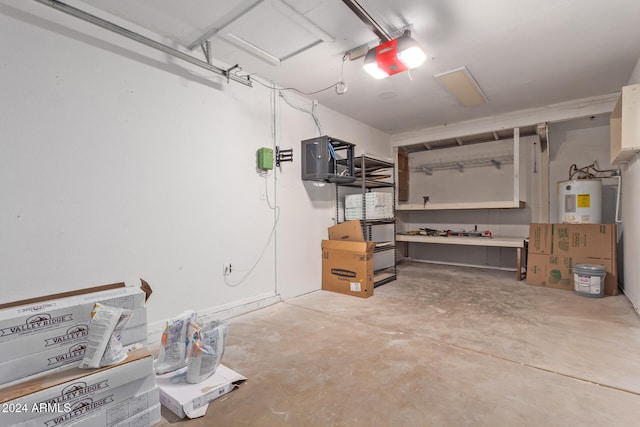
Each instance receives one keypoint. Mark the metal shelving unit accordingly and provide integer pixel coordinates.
(371, 174)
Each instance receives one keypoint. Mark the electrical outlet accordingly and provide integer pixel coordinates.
(226, 269)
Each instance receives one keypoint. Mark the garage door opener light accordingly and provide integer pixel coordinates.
(394, 56)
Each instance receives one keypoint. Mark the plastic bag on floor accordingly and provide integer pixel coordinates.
(205, 349)
(173, 344)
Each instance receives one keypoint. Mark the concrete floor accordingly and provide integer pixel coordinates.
(441, 346)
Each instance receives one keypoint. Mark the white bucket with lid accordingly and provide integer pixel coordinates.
(588, 280)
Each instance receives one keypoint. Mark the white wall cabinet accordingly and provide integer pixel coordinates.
(625, 125)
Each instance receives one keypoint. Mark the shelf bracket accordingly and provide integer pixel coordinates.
(460, 167)
(283, 156)
(427, 170)
(206, 50)
(496, 163)
(543, 134)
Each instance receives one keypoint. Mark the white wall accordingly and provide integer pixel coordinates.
(630, 246)
(451, 185)
(308, 208)
(117, 162)
(581, 142)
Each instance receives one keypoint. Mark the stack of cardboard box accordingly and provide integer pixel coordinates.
(555, 248)
(121, 395)
(378, 205)
(42, 342)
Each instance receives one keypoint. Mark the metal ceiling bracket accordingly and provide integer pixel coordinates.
(496, 163)
(228, 72)
(92, 19)
(364, 16)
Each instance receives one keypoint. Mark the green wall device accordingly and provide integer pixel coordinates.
(265, 158)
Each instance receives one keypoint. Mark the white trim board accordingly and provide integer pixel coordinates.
(497, 242)
(221, 312)
(502, 204)
(552, 113)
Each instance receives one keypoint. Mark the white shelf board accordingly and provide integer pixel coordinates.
(467, 205)
(502, 242)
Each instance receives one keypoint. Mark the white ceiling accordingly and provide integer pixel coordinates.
(523, 54)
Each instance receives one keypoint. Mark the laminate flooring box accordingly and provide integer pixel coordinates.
(50, 333)
(92, 396)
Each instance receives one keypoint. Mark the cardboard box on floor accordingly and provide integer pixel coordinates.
(347, 261)
(555, 248)
(192, 400)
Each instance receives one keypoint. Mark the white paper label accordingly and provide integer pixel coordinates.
(588, 284)
(355, 287)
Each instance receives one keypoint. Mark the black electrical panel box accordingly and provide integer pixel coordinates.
(327, 159)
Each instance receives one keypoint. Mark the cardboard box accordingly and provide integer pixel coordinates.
(75, 385)
(584, 240)
(47, 325)
(103, 410)
(28, 341)
(20, 320)
(540, 238)
(65, 357)
(370, 199)
(61, 295)
(148, 418)
(556, 271)
(347, 267)
(138, 317)
(349, 230)
(555, 248)
(133, 335)
(192, 400)
(372, 212)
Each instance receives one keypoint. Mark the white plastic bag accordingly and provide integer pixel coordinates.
(205, 350)
(173, 349)
(115, 352)
(104, 320)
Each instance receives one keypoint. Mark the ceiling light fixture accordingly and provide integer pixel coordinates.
(463, 86)
(394, 56)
